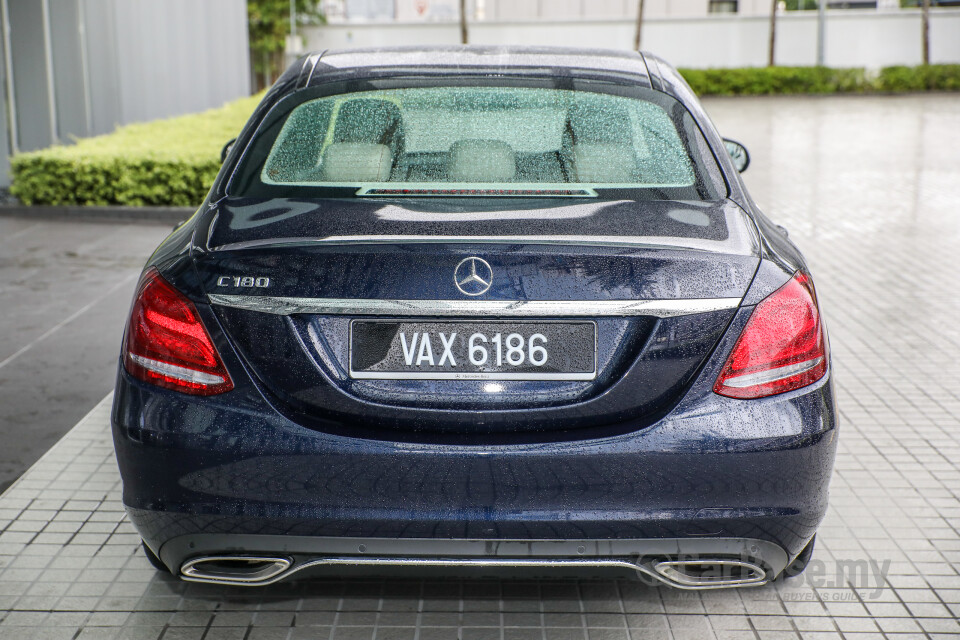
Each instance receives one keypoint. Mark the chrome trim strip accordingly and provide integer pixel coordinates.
(645, 242)
(519, 563)
(285, 306)
(314, 59)
(465, 375)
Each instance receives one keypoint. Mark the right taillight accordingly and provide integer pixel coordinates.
(166, 343)
(782, 348)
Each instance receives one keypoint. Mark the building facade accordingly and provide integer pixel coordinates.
(508, 10)
(77, 68)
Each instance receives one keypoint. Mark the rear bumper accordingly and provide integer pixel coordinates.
(230, 474)
(282, 557)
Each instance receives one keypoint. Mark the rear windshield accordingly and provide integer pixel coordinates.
(477, 140)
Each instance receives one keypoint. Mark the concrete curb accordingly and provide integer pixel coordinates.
(125, 215)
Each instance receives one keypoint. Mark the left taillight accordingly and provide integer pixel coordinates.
(166, 343)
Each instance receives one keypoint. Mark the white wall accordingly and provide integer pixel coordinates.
(111, 62)
(854, 38)
(177, 56)
(508, 10)
(502, 10)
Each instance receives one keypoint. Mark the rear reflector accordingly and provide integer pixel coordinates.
(782, 348)
(166, 343)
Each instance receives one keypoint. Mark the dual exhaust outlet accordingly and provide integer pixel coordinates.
(696, 573)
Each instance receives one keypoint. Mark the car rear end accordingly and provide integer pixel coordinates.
(443, 326)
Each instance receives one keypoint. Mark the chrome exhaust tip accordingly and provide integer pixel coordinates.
(235, 570)
(710, 573)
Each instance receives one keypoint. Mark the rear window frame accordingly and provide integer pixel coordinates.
(245, 178)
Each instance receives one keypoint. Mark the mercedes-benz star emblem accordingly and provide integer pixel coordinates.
(473, 276)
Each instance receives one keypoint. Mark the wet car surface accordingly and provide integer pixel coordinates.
(481, 309)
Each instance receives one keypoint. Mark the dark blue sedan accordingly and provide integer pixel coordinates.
(477, 311)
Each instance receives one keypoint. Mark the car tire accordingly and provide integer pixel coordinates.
(153, 559)
(799, 563)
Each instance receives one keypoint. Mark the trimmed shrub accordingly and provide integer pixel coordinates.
(167, 162)
(821, 80)
(775, 81)
(935, 77)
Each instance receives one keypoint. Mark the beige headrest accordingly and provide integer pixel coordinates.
(604, 162)
(482, 161)
(357, 162)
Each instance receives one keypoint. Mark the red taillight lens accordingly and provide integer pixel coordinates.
(782, 348)
(167, 344)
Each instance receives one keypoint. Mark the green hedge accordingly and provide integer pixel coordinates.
(172, 162)
(821, 80)
(775, 81)
(934, 77)
(167, 162)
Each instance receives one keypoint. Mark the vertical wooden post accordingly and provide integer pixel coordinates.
(636, 36)
(773, 33)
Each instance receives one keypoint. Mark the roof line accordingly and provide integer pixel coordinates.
(316, 59)
(653, 72)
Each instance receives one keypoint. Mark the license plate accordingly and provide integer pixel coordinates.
(395, 350)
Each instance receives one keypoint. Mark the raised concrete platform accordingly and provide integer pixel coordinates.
(869, 187)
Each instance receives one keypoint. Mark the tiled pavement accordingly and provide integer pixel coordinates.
(869, 187)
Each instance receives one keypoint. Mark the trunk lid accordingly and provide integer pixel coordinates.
(276, 270)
